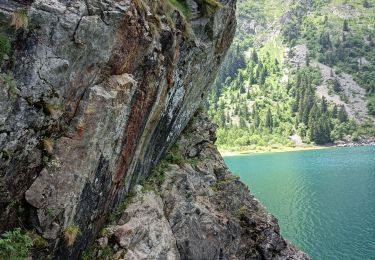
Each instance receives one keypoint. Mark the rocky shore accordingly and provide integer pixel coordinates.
(361, 142)
(192, 207)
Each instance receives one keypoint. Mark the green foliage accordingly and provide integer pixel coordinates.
(122, 206)
(107, 252)
(371, 104)
(14, 245)
(181, 6)
(10, 83)
(38, 241)
(252, 104)
(4, 47)
(268, 121)
(174, 156)
(366, 4)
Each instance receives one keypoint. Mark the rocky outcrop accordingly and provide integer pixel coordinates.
(194, 208)
(95, 92)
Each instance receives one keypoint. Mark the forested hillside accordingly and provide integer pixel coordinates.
(298, 72)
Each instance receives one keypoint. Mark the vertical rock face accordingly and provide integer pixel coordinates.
(194, 208)
(102, 88)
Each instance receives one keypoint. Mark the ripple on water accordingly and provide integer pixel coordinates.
(324, 199)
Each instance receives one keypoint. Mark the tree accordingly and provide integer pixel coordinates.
(256, 119)
(345, 26)
(321, 131)
(336, 85)
(254, 56)
(324, 105)
(334, 111)
(313, 117)
(325, 40)
(342, 115)
(269, 121)
(307, 60)
(366, 4)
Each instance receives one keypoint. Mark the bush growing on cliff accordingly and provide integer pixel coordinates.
(10, 83)
(70, 234)
(181, 6)
(4, 47)
(14, 244)
(174, 156)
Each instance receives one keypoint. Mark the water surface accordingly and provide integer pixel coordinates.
(324, 199)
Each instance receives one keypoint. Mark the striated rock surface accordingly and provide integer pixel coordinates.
(96, 91)
(194, 208)
(92, 94)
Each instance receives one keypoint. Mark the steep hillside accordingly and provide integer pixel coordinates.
(192, 207)
(297, 71)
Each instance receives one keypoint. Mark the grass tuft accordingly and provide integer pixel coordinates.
(48, 144)
(20, 20)
(70, 234)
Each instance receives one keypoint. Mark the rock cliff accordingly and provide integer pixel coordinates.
(93, 93)
(192, 207)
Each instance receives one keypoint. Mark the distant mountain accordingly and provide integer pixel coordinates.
(297, 68)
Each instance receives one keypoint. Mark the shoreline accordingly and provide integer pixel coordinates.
(228, 153)
(283, 149)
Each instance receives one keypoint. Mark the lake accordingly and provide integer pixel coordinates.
(324, 199)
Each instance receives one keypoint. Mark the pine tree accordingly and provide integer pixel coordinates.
(334, 111)
(322, 130)
(256, 119)
(306, 105)
(313, 117)
(248, 95)
(254, 56)
(269, 121)
(307, 60)
(324, 105)
(345, 26)
(242, 122)
(342, 115)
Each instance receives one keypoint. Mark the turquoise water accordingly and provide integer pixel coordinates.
(324, 199)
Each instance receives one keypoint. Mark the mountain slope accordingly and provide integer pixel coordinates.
(297, 68)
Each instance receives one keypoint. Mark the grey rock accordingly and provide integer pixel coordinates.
(205, 218)
(146, 234)
(111, 85)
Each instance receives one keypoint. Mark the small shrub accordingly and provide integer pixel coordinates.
(107, 251)
(174, 156)
(4, 46)
(10, 83)
(121, 207)
(14, 244)
(89, 253)
(156, 178)
(181, 6)
(20, 20)
(38, 241)
(70, 234)
(212, 5)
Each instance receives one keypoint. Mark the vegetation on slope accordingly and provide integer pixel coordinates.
(260, 99)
